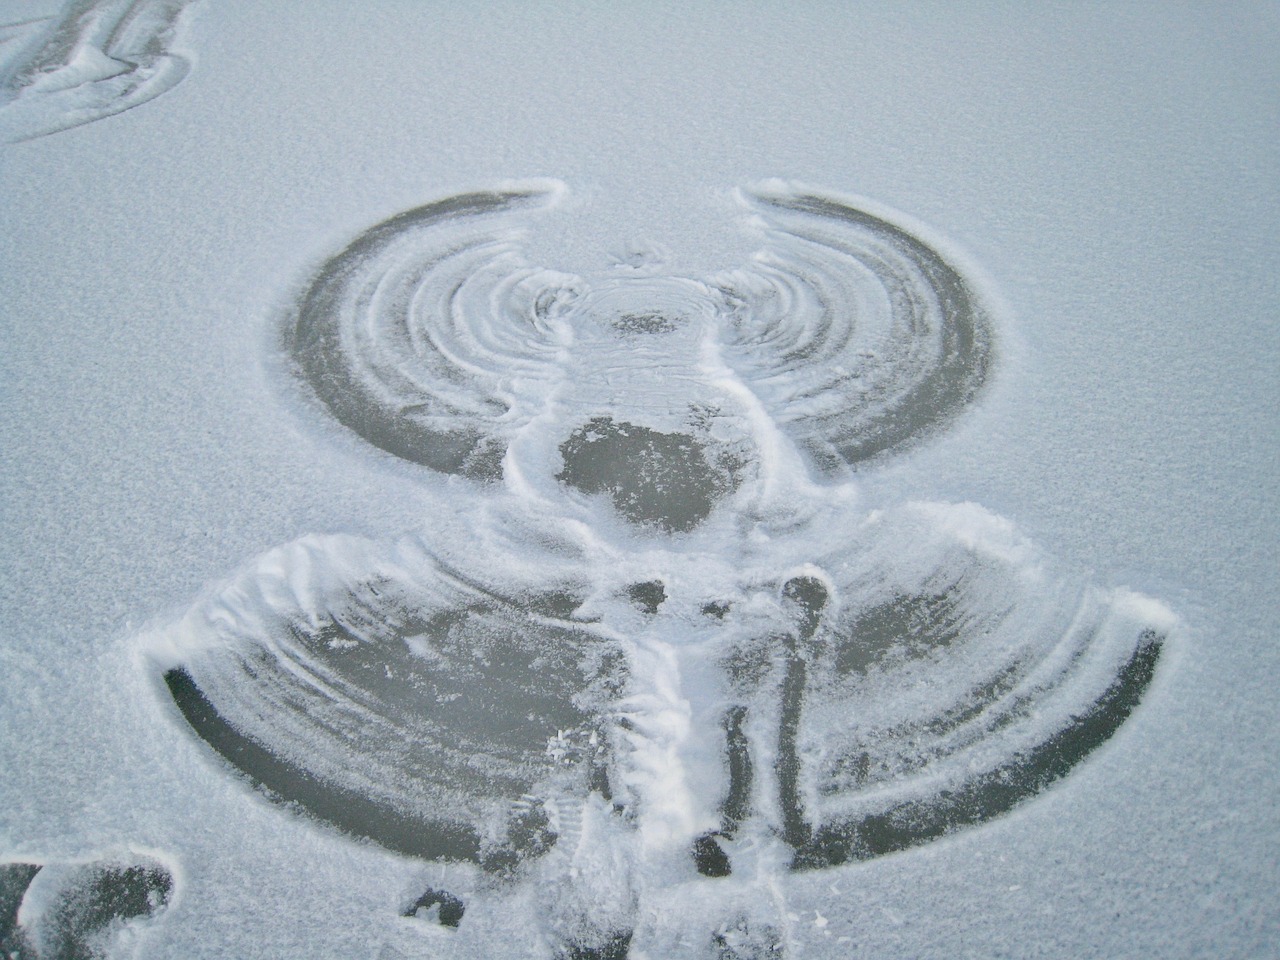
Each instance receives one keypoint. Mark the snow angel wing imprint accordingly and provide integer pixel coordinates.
(932, 672)
(938, 672)
(420, 334)
(857, 336)
(432, 338)
(396, 699)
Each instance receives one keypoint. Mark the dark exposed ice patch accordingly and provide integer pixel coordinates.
(709, 857)
(668, 480)
(648, 596)
(437, 906)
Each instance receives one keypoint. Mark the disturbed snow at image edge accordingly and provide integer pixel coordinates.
(93, 59)
(661, 644)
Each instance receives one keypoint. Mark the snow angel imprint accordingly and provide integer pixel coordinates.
(654, 651)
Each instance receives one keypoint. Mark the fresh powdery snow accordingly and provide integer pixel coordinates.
(569, 481)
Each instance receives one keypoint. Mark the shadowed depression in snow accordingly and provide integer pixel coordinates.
(653, 639)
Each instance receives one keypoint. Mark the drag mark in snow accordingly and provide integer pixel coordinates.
(96, 59)
(652, 649)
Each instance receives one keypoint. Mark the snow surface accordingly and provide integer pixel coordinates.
(1105, 178)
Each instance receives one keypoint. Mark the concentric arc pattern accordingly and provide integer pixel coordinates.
(432, 338)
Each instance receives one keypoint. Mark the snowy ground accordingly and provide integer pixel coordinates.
(1105, 178)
